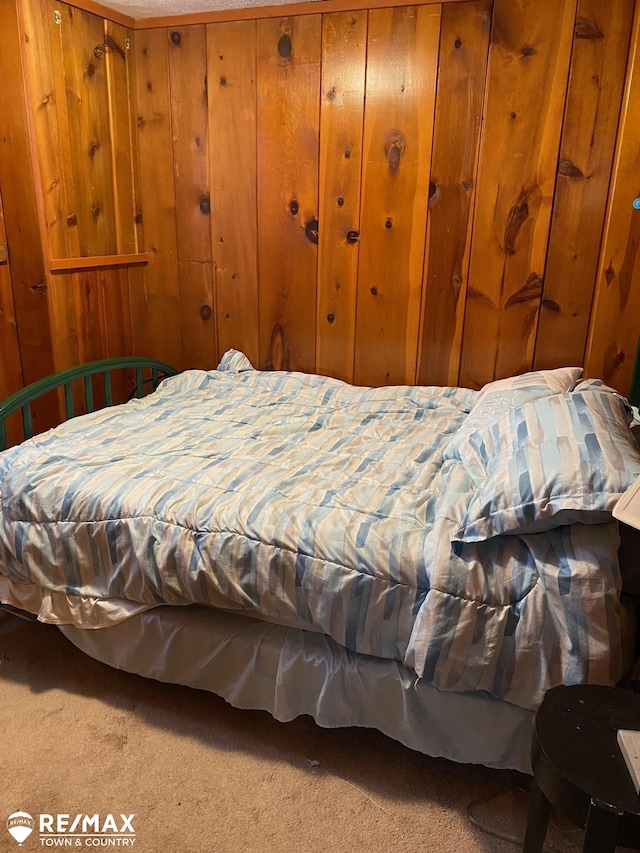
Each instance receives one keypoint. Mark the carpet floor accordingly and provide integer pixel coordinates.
(78, 737)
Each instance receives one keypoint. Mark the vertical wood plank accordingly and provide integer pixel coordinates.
(344, 46)
(64, 331)
(116, 301)
(90, 317)
(189, 121)
(526, 84)
(114, 284)
(113, 295)
(231, 64)
(614, 324)
(11, 377)
(86, 87)
(64, 163)
(10, 362)
(91, 325)
(289, 52)
(44, 97)
(155, 297)
(464, 44)
(187, 51)
(598, 65)
(197, 321)
(135, 153)
(21, 215)
(402, 61)
(61, 291)
(116, 58)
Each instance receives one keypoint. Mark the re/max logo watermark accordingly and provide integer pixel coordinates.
(79, 830)
(83, 830)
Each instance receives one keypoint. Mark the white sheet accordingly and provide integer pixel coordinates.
(289, 672)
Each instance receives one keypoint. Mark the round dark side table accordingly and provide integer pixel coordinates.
(579, 770)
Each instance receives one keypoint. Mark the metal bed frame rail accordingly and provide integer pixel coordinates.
(22, 399)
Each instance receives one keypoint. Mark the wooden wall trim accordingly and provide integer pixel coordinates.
(69, 264)
(245, 12)
(103, 12)
(281, 10)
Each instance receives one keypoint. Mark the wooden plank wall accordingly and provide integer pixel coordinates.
(616, 311)
(26, 352)
(11, 376)
(411, 194)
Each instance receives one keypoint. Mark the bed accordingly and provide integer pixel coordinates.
(426, 561)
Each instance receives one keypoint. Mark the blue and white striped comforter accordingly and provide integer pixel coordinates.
(307, 502)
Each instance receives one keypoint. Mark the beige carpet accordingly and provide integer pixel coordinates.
(203, 777)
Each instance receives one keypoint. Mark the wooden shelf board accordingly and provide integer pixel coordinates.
(71, 264)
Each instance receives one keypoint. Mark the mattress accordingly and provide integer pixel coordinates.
(465, 536)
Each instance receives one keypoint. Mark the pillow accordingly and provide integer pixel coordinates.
(497, 397)
(557, 460)
(234, 361)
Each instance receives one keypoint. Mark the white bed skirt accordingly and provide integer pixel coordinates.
(289, 672)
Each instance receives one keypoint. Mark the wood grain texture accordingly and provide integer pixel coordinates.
(464, 43)
(526, 83)
(197, 323)
(187, 48)
(64, 162)
(116, 298)
(231, 66)
(615, 326)
(90, 316)
(21, 214)
(289, 51)
(402, 62)
(45, 98)
(11, 378)
(135, 152)
(598, 66)
(71, 264)
(63, 320)
(155, 296)
(106, 12)
(344, 46)
(87, 97)
(118, 71)
(242, 13)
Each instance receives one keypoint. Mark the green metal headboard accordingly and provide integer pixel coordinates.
(23, 398)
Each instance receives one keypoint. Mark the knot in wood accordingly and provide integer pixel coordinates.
(285, 48)
(175, 37)
(394, 150)
(311, 230)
